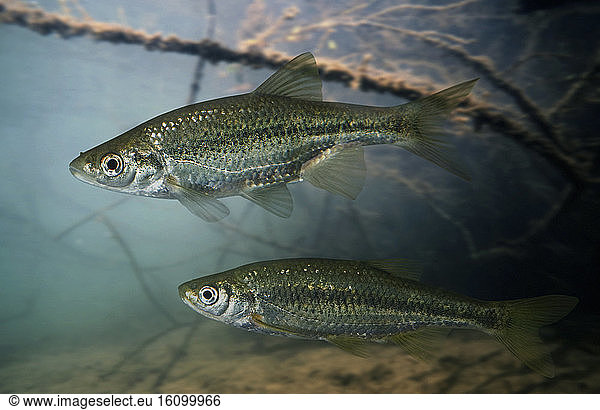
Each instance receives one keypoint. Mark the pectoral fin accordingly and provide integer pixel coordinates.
(260, 322)
(206, 207)
(422, 344)
(275, 199)
(353, 345)
(340, 169)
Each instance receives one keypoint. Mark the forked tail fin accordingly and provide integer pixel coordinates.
(526, 317)
(423, 118)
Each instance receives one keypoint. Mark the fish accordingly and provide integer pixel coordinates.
(252, 145)
(350, 303)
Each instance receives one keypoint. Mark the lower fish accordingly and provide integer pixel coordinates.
(348, 303)
(252, 145)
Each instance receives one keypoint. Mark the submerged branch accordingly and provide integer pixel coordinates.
(259, 239)
(133, 353)
(421, 7)
(91, 216)
(513, 247)
(199, 71)
(584, 81)
(179, 353)
(137, 270)
(547, 144)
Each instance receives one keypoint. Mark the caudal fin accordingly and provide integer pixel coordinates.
(424, 117)
(521, 334)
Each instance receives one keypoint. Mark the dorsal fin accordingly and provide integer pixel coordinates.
(297, 79)
(402, 268)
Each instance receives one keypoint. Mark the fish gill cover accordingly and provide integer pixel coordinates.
(89, 299)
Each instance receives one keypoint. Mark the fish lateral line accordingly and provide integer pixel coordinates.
(350, 303)
(282, 131)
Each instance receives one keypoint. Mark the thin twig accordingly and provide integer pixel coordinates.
(137, 350)
(547, 145)
(199, 71)
(135, 267)
(261, 239)
(91, 216)
(584, 80)
(179, 353)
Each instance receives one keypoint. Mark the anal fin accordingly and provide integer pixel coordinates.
(422, 344)
(340, 169)
(274, 198)
(350, 344)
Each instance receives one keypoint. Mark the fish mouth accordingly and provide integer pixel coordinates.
(75, 172)
(75, 168)
(184, 295)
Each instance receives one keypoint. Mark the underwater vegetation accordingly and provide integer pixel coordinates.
(89, 300)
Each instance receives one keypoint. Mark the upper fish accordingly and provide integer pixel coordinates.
(253, 144)
(348, 303)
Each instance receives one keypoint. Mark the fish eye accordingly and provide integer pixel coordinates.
(112, 165)
(208, 295)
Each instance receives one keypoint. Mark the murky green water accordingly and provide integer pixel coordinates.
(89, 300)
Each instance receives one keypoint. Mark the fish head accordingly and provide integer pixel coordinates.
(218, 298)
(123, 164)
